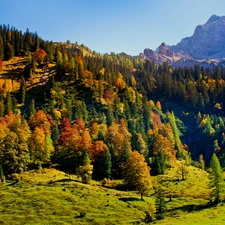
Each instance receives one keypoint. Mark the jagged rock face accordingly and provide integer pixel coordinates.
(165, 54)
(163, 49)
(208, 40)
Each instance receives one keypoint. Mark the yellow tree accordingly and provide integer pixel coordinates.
(136, 174)
(164, 145)
(40, 150)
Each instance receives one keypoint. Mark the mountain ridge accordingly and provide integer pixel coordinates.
(206, 47)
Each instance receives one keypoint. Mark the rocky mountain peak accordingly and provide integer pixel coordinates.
(164, 49)
(213, 19)
(206, 47)
(207, 42)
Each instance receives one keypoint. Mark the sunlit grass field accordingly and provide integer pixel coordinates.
(53, 197)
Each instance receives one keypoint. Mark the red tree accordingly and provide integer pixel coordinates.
(39, 55)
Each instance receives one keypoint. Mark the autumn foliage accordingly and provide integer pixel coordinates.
(40, 55)
(136, 174)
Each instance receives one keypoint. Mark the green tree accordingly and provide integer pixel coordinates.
(160, 204)
(178, 145)
(159, 163)
(23, 90)
(85, 171)
(108, 164)
(2, 109)
(136, 174)
(2, 176)
(34, 63)
(216, 178)
(183, 170)
(201, 162)
(109, 116)
(59, 62)
(32, 109)
(8, 103)
(1, 48)
(9, 52)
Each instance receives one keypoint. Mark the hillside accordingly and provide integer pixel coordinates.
(77, 126)
(75, 203)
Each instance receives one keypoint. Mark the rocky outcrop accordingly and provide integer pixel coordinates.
(207, 42)
(165, 54)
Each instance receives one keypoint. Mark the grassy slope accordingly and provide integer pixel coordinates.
(52, 197)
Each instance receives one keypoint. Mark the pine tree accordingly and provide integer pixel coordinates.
(216, 178)
(55, 134)
(9, 52)
(2, 109)
(160, 204)
(85, 171)
(2, 176)
(32, 109)
(8, 103)
(34, 63)
(1, 48)
(23, 90)
(177, 134)
(108, 164)
(183, 170)
(59, 62)
(110, 116)
(201, 162)
(159, 163)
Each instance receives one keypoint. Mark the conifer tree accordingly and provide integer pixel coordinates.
(2, 109)
(177, 134)
(8, 103)
(34, 63)
(85, 171)
(109, 116)
(160, 204)
(159, 163)
(216, 178)
(2, 176)
(55, 134)
(9, 52)
(108, 164)
(201, 162)
(1, 47)
(23, 90)
(32, 109)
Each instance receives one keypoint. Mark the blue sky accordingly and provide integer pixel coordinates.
(112, 25)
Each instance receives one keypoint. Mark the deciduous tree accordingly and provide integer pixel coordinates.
(136, 174)
(40, 55)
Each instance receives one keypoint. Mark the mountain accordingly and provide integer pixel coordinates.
(208, 40)
(206, 47)
(177, 59)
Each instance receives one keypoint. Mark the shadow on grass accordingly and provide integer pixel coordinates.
(12, 184)
(62, 180)
(129, 199)
(193, 207)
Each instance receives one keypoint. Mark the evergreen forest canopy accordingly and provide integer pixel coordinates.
(86, 113)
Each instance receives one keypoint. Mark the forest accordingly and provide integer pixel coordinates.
(102, 116)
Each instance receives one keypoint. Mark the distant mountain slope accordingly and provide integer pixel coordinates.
(208, 40)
